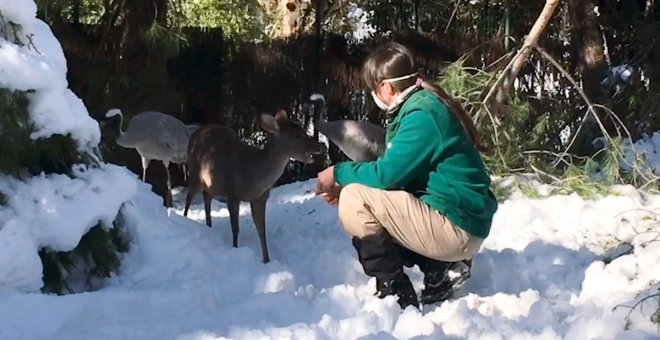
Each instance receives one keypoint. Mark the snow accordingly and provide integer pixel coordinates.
(39, 65)
(55, 211)
(360, 19)
(648, 148)
(18, 11)
(540, 274)
(49, 210)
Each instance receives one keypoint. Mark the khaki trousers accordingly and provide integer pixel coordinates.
(410, 221)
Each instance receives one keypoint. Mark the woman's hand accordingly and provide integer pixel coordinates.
(331, 197)
(326, 180)
(327, 188)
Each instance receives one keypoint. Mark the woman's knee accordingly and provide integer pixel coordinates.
(351, 207)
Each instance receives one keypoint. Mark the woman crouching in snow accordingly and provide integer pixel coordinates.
(427, 199)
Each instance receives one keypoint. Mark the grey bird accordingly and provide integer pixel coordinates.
(361, 141)
(155, 136)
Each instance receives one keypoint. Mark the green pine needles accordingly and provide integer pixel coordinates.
(96, 257)
(523, 140)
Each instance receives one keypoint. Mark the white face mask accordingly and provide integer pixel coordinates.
(379, 102)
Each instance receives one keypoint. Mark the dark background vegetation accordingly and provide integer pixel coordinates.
(223, 63)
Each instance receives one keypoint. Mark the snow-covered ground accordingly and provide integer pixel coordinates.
(539, 275)
(544, 272)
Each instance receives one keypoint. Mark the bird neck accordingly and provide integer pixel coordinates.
(120, 128)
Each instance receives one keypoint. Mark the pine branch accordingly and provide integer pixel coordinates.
(494, 88)
(3, 26)
(16, 29)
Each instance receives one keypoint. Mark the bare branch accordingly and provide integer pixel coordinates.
(638, 303)
(495, 86)
(590, 105)
(453, 14)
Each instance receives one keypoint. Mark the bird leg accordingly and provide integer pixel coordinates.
(168, 195)
(145, 164)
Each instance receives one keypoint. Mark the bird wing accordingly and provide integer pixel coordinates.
(360, 141)
(163, 135)
(174, 134)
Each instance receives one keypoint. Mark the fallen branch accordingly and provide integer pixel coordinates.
(494, 87)
(511, 72)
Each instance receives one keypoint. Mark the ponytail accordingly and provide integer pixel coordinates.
(457, 109)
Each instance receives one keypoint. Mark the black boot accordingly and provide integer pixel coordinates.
(380, 257)
(399, 286)
(437, 284)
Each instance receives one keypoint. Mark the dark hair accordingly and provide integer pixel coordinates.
(392, 60)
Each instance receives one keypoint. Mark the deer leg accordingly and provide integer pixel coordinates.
(258, 208)
(188, 201)
(185, 172)
(234, 207)
(207, 206)
(192, 191)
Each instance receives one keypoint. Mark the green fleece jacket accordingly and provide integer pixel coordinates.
(430, 155)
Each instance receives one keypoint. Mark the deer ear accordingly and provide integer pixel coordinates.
(281, 115)
(269, 123)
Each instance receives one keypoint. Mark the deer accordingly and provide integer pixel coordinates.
(222, 165)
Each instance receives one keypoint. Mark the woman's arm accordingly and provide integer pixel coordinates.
(408, 156)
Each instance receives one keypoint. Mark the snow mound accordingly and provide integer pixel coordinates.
(52, 211)
(38, 65)
(649, 147)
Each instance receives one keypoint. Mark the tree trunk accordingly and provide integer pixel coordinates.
(417, 9)
(318, 39)
(138, 17)
(400, 15)
(75, 15)
(588, 45)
